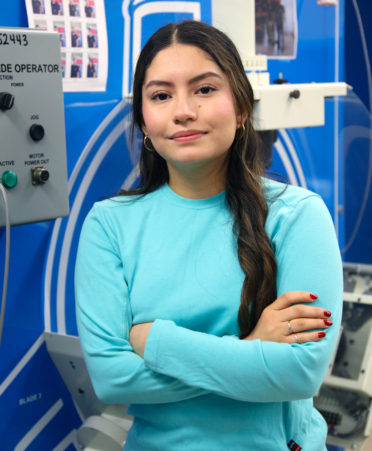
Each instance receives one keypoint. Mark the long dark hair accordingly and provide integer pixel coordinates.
(245, 169)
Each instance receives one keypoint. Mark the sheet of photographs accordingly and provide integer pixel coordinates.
(81, 25)
(276, 28)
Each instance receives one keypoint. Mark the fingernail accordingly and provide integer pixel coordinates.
(321, 334)
(328, 322)
(313, 296)
(327, 313)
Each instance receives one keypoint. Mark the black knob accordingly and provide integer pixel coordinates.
(37, 132)
(280, 80)
(295, 94)
(6, 101)
(39, 176)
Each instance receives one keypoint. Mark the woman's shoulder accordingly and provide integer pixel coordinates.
(290, 205)
(278, 193)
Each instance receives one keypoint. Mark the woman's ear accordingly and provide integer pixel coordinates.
(240, 119)
(144, 129)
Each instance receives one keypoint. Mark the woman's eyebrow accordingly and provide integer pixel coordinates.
(202, 76)
(190, 82)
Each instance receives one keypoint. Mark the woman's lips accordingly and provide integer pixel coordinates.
(184, 139)
(188, 136)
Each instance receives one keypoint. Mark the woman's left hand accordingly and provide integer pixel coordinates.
(138, 336)
(287, 320)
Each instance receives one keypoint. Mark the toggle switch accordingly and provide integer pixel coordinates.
(6, 101)
(39, 175)
(9, 179)
(37, 132)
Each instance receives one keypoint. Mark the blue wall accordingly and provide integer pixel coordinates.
(357, 152)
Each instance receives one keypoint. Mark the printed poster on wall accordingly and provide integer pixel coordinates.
(81, 25)
(276, 28)
(328, 2)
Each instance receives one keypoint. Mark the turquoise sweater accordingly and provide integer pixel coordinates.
(173, 260)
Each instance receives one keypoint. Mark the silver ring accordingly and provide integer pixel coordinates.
(289, 328)
(296, 339)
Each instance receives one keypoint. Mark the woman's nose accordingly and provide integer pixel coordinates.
(185, 109)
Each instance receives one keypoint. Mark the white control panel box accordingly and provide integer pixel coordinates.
(33, 167)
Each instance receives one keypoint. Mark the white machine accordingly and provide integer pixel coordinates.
(278, 105)
(345, 398)
(105, 426)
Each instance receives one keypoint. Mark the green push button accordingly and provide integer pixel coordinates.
(9, 179)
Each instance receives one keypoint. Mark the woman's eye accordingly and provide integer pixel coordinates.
(206, 89)
(160, 96)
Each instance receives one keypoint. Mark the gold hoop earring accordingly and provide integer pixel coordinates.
(240, 137)
(144, 143)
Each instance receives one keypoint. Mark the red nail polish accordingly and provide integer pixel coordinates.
(313, 296)
(321, 334)
(328, 322)
(327, 313)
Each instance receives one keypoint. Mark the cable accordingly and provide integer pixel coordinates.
(6, 268)
(369, 176)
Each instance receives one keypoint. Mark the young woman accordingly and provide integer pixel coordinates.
(91, 71)
(193, 289)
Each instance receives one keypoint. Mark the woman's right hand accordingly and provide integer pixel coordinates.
(281, 316)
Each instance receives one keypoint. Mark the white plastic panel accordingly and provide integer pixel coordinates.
(274, 107)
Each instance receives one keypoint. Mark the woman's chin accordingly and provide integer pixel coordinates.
(189, 161)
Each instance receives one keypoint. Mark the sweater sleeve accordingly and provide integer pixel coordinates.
(308, 259)
(104, 320)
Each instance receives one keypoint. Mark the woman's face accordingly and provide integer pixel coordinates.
(188, 108)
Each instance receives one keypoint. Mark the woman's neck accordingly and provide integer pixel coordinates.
(196, 184)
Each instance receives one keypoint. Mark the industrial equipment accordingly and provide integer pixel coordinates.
(346, 394)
